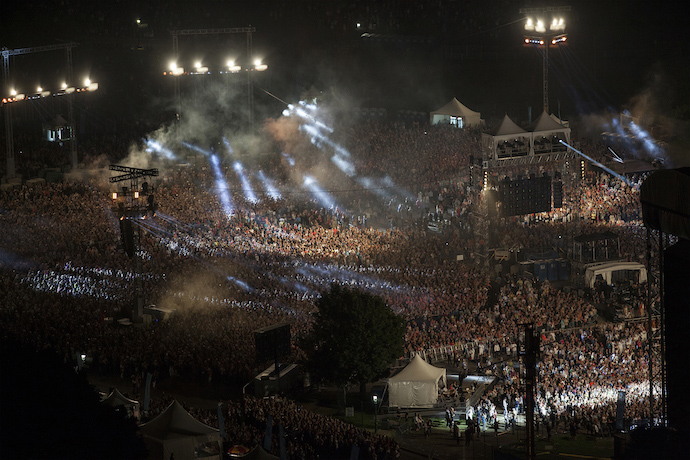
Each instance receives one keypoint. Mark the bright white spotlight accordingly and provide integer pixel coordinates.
(172, 66)
(249, 194)
(158, 148)
(317, 192)
(197, 64)
(529, 25)
(222, 187)
(271, 189)
(39, 90)
(13, 92)
(232, 67)
(227, 145)
(87, 81)
(64, 85)
(540, 26)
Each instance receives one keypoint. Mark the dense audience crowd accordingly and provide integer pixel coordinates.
(64, 275)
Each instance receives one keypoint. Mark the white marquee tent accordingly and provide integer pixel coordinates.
(115, 399)
(417, 385)
(456, 113)
(506, 139)
(547, 129)
(607, 271)
(175, 433)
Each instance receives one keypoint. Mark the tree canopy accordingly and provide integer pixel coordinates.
(355, 338)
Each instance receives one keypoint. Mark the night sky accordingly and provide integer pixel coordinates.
(421, 53)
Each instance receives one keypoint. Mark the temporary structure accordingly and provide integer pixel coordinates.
(609, 271)
(116, 399)
(417, 385)
(176, 433)
(456, 113)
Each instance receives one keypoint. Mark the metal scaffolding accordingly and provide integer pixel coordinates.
(228, 30)
(9, 129)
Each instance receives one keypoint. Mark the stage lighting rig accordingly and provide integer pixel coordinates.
(128, 202)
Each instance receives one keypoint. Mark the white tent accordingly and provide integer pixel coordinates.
(417, 385)
(115, 399)
(608, 270)
(507, 139)
(175, 432)
(546, 132)
(456, 113)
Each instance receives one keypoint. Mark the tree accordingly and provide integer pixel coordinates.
(355, 338)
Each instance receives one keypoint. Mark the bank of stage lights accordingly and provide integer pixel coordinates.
(199, 69)
(541, 35)
(41, 92)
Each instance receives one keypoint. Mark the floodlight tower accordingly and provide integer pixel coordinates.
(538, 34)
(177, 71)
(9, 131)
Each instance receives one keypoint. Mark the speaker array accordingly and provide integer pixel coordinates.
(525, 196)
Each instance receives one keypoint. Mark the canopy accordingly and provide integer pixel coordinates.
(416, 385)
(456, 109)
(115, 399)
(506, 139)
(546, 123)
(175, 432)
(259, 454)
(607, 271)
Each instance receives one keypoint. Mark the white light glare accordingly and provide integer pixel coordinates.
(87, 81)
(321, 195)
(529, 25)
(259, 66)
(232, 67)
(271, 189)
(249, 194)
(222, 187)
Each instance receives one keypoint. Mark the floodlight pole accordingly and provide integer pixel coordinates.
(547, 37)
(228, 30)
(70, 113)
(9, 130)
(545, 75)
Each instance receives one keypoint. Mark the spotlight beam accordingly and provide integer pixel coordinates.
(596, 163)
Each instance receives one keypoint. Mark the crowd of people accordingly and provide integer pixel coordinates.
(64, 275)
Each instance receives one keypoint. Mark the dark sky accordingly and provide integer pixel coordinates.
(421, 54)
